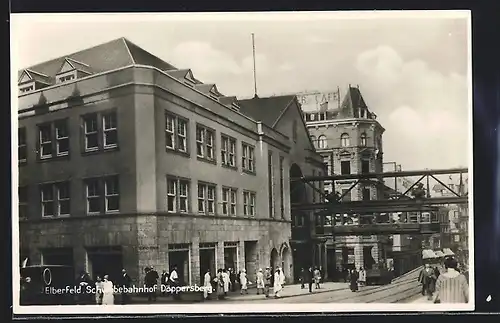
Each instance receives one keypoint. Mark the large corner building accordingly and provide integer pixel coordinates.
(126, 161)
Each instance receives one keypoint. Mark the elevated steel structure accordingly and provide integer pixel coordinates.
(416, 198)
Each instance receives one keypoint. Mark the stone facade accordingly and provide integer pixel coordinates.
(143, 231)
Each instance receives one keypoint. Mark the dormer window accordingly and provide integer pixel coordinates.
(66, 78)
(27, 88)
(72, 70)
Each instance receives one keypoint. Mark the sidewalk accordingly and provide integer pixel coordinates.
(422, 300)
(288, 291)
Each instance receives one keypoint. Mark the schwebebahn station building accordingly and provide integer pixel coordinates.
(126, 161)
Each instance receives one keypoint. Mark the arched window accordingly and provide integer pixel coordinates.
(363, 139)
(322, 142)
(344, 140)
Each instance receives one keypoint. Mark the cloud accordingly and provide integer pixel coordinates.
(424, 111)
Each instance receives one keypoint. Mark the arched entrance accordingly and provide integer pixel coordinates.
(302, 248)
(275, 261)
(286, 262)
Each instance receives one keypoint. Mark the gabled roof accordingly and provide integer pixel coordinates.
(183, 74)
(352, 100)
(101, 58)
(28, 75)
(76, 65)
(208, 88)
(267, 110)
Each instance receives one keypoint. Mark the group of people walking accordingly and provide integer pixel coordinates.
(104, 292)
(447, 286)
(310, 277)
(357, 279)
(223, 282)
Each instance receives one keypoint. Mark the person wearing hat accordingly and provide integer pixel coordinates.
(260, 282)
(268, 275)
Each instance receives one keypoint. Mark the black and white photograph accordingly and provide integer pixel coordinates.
(242, 162)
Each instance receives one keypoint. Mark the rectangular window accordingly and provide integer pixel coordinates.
(345, 167)
(176, 129)
(22, 147)
(248, 158)
(327, 160)
(366, 194)
(206, 199)
(177, 195)
(228, 201)
(249, 203)
(282, 186)
(23, 202)
(45, 135)
(112, 194)
(62, 138)
(365, 166)
(103, 194)
(171, 195)
(270, 176)
(91, 132)
(110, 130)
(228, 151)
(205, 143)
(55, 199)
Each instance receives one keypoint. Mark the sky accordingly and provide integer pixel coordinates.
(412, 68)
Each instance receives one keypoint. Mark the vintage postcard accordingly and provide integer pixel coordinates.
(233, 163)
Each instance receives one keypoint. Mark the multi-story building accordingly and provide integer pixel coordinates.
(350, 140)
(126, 161)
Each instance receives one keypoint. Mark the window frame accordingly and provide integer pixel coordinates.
(363, 164)
(105, 131)
(344, 162)
(22, 145)
(204, 143)
(102, 195)
(205, 199)
(363, 140)
(248, 158)
(228, 151)
(177, 195)
(54, 188)
(322, 142)
(178, 122)
(23, 202)
(54, 139)
(99, 132)
(249, 203)
(345, 140)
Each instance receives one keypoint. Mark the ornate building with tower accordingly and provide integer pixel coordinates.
(349, 138)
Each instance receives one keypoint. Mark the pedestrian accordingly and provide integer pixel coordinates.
(279, 280)
(354, 280)
(85, 297)
(451, 286)
(164, 281)
(362, 277)
(260, 282)
(227, 281)
(302, 277)
(125, 283)
(98, 290)
(310, 278)
(317, 277)
(232, 279)
(174, 282)
(108, 297)
(150, 280)
(267, 282)
(207, 284)
(426, 278)
(243, 282)
(220, 284)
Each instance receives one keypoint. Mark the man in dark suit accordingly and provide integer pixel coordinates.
(125, 282)
(309, 278)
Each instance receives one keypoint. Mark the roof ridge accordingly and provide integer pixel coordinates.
(71, 54)
(124, 40)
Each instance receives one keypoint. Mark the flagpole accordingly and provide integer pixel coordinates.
(254, 68)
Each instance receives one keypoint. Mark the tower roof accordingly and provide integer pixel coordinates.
(268, 110)
(353, 101)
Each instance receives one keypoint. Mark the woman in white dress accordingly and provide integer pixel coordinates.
(279, 280)
(207, 284)
(98, 290)
(107, 291)
(225, 279)
(260, 282)
(244, 281)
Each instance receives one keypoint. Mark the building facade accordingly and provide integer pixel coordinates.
(126, 161)
(350, 140)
